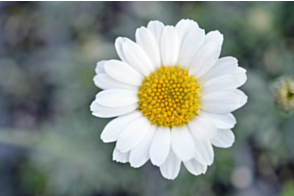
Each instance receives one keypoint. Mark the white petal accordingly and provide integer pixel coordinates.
(120, 157)
(240, 74)
(224, 138)
(104, 81)
(221, 121)
(222, 83)
(224, 66)
(204, 151)
(199, 157)
(171, 167)
(137, 58)
(108, 112)
(242, 78)
(146, 40)
(190, 46)
(160, 146)
(208, 54)
(205, 59)
(194, 167)
(241, 97)
(240, 70)
(214, 36)
(132, 134)
(115, 127)
(182, 143)
(156, 27)
(169, 46)
(118, 46)
(123, 72)
(100, 67)
(117, 97)
(220, 102)
(140, 154)
(184, 26)
(202, 128)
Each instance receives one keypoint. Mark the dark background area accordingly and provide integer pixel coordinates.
(49, 141)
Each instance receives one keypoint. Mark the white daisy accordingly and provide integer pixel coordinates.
(173, 97)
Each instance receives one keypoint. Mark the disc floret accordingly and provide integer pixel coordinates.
(169, 97)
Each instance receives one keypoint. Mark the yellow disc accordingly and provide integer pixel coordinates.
(169, 97)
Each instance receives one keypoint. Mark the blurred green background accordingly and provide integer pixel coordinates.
(49, 141)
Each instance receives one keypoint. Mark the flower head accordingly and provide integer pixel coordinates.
(283, 91)
(173, 97)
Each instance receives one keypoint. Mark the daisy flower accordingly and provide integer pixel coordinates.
(172, 96)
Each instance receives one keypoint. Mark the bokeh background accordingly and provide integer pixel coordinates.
(49, 141)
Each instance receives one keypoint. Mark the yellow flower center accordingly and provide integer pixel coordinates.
(169, 97)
